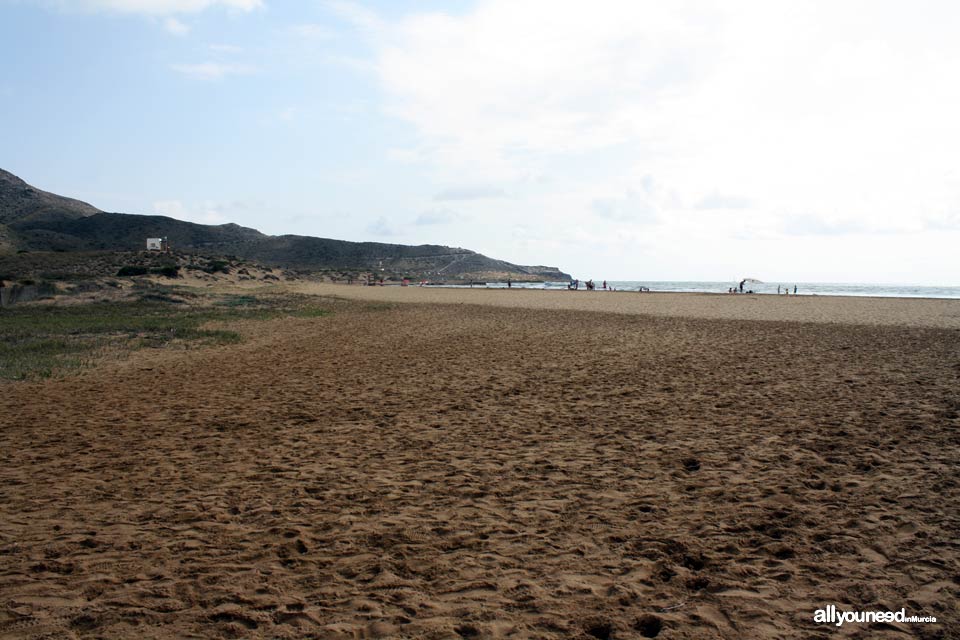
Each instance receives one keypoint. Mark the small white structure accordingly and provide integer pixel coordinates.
(156, 244)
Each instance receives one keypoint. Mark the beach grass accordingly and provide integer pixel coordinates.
(43, 341)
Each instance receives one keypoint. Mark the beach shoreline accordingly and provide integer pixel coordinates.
(908, 312)
(502, 286)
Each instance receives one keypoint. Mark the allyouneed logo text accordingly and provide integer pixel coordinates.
(831, 615)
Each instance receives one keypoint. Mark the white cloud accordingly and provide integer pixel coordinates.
(383, 227)
(641, 203)
(204, 213)
(436, 217)
(357, 15)
(632, 207)
(159, 7)
(761, 117)
(820, 226)
(717, 200)
(471, 192)
(312, 31)
(175, 27)
(162, 12)
(212, 70)
(227, 49)
(948, 221)
(512, 82)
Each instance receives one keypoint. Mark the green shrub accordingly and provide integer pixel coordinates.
(132, 270)
(311, 313)
(239, 301)
(167, 271)
(159, 297)
(215, 266)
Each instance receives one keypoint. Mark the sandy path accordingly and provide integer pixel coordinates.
(452, 471)
(925, 312)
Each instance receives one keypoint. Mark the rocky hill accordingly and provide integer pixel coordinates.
(34, 220)
(19, 202)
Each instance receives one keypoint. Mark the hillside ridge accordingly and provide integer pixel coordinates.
(35, 220)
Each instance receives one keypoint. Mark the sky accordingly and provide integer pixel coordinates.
(616, 139)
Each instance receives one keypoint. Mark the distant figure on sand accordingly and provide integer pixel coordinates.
(509, 283)
(778, 289)
(604, 285)
(794, 289)
(741, 284)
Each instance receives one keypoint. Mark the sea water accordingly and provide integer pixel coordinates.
(803, 288)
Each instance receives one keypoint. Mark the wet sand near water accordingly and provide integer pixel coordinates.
(460, 471)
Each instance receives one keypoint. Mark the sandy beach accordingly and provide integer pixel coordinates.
(907, 312)
(429, 463)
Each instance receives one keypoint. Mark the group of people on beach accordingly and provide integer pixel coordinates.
(780, 288)
(574, 285)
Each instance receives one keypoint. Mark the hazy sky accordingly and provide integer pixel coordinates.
(787, 141)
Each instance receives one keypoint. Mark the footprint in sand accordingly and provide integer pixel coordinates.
(648, 625)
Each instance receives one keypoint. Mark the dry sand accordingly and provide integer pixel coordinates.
(457, 471)
(916, 312)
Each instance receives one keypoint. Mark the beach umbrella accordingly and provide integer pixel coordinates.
(752, 281)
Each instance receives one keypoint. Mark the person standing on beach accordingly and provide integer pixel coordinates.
(778, 289)
(794, 289)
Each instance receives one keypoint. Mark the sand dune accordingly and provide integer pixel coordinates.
(456, 471)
